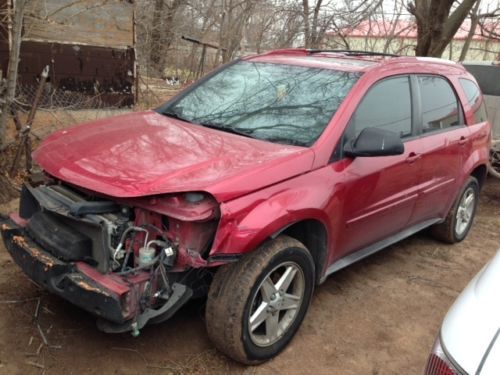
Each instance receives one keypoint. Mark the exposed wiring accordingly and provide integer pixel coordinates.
(122, 239)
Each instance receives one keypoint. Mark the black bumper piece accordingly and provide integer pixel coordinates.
(59, 277)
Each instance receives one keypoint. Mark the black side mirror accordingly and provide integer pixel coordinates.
(375, 142)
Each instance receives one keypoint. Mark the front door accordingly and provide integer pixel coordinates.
(380, 192)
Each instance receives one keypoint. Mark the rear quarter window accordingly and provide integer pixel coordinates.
(475, 99)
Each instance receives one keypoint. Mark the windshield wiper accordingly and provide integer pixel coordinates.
(207, 125)
(288, 141)
(174, 115)
(226, 129)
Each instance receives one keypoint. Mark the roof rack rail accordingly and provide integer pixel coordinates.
(351, 52)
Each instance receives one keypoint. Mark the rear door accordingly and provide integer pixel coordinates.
(445, 140)
(380, 192)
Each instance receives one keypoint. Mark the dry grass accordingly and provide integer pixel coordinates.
(153, 92)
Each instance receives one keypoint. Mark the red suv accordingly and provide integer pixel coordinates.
(252, 185)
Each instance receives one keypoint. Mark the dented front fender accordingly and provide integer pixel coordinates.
(248, 221)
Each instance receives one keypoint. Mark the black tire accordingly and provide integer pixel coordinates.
(450, 231)
(237, 290)
(494, 162)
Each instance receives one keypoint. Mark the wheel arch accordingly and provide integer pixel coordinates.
(307, 226)
(479, 173)
(313, 235)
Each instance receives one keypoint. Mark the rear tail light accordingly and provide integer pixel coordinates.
(439, 363)
(438, 366)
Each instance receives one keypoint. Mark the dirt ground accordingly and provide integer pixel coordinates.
(379, 316)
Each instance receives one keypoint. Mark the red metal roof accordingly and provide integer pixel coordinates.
(406, 29)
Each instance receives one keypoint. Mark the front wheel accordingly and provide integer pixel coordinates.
(255, 306)
(459, 220)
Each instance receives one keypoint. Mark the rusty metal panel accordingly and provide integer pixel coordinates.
(84, 22)
(4, 15)
(4, 56)
(88, 45)
(4, 36)
(103, 72)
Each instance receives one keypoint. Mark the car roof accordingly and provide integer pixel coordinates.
(353, 61)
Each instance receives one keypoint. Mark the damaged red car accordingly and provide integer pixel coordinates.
(252, 186)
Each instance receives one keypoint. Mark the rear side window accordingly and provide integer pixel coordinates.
(475, 100)
(387, 105)
(440, 108)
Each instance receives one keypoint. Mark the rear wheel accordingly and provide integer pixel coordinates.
(494, 162)
(255, 306)
(459, 220)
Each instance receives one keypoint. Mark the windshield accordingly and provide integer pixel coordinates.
(278, 103)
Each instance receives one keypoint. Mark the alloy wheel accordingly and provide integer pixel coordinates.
(465, 211)
(276, 304)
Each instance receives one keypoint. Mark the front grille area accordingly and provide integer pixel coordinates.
(72, 226)
(58, 238)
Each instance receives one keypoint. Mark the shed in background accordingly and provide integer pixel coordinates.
(88, 45)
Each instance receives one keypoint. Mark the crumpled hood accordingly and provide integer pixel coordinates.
(146, 153)
(472, 322)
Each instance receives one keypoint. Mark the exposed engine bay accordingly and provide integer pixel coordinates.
(129, 261)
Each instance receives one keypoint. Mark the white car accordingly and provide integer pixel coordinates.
(469, 340)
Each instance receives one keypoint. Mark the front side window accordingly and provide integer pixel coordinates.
(475, 99)
(278, 103)
(440, 108)
(387, 105)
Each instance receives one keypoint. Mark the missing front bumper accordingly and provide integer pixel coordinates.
(117, 312)
(59, 277)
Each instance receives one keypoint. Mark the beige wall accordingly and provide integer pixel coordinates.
(478, 50)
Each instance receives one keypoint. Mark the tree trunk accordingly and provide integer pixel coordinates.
(474, 20)
(155, 44)
(10, 91)
(307, 30)
(167, 33)
(435, 25)
(315, 34)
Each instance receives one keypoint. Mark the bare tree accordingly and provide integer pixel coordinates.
(10, 91)
(332, 15)
(162, 34)
(474, 20)
(272, 25)
(394, 30)
(338, 18)
(235, 14)
(489, 22)
(284, 24)
(437, 22)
